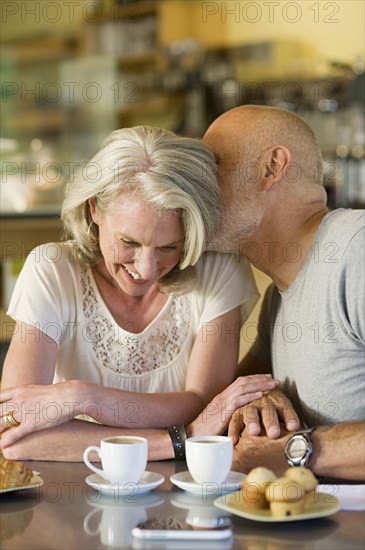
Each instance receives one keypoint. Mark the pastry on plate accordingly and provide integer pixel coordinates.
(307, 479)
(286, 497)
(13, 473)
(254, 486)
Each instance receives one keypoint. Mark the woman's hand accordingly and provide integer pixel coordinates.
(37, 407)
(264, 416)
(216, 416)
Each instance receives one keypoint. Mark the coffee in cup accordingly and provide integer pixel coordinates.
(123, 458)
(209, 458)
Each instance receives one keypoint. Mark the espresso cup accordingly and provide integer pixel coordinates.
(123, 458)
(209, 458)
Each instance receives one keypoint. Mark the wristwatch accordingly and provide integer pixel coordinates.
(299, 448)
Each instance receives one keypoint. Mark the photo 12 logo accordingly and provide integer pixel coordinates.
(67, 11)
(270, 12)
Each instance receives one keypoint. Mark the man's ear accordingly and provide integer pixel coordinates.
(276, 165)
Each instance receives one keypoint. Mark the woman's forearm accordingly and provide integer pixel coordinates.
(115, 407)
(67, 442)
(131, 410)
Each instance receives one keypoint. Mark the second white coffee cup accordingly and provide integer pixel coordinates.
(209, 458)
(123, 458)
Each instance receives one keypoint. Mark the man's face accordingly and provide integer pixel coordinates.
(239, 178)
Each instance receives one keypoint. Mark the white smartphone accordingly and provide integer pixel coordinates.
(172, 529)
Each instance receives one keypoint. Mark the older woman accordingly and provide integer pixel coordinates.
(127, 323)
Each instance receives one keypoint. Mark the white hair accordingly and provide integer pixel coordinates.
(166, 171)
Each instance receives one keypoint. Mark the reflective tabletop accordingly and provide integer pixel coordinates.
(66, 513)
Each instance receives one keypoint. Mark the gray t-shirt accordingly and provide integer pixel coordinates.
(313, 334)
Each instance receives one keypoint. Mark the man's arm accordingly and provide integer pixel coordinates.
(338, 452)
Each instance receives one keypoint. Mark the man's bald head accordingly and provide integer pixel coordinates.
(250, 129)
(241, 138)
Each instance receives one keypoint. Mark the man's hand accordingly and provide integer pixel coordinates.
(252, 451)
(267, 413)
(215, 418)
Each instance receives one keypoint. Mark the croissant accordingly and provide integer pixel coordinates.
(13, 473)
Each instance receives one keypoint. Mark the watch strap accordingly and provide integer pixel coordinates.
(178, 437)
(308, 431)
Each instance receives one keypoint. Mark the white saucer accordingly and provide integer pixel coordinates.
(184, 481)
(149, 481)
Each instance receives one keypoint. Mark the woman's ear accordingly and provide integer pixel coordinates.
(93, 212)
(277, 163)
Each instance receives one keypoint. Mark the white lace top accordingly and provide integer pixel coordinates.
(60, 297)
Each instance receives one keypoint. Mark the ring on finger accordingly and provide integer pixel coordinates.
(8, 420)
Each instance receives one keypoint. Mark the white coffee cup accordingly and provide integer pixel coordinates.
(209, 458)
(123, 458)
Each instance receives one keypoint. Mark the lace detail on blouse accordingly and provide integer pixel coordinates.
(132, 354)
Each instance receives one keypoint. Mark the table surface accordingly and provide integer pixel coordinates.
(65, 513)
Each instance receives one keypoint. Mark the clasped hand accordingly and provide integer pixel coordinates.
(264, 416)
(260, 430)
(237, 409)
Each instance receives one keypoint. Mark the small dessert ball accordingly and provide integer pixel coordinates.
(307, 479)
(286, 497)
(254, 486)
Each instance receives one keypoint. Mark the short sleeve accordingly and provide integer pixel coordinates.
(226, 281)
(39, 296)
(351, 290)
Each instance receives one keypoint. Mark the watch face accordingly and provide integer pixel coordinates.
(297, 447)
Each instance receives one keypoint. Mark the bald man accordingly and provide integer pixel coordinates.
(311, 332)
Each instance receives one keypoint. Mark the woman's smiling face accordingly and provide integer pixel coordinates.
(139, 245)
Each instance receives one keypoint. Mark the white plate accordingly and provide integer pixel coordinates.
(324, 505)
(149, 481)
(36, 481)
(184, 481)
